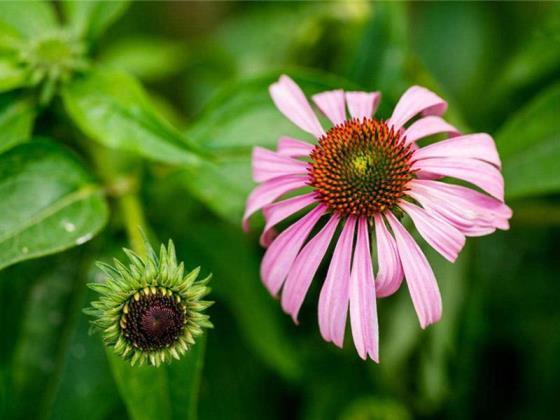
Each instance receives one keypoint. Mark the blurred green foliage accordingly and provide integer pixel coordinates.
(147, 113)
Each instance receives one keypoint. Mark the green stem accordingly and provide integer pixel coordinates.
(120, 174)
(134, 222)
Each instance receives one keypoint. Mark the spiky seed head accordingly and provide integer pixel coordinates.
(150, 311)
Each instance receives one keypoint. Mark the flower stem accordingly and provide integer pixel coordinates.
(134, 222)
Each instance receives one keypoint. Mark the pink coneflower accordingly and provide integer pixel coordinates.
(363, 176)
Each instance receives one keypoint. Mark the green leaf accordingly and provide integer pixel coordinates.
(147, 58)
(29, 19)
(90, 18)
(167, 392)
(241, 117)
(86, 383)
(380, 57)
(17, 115)
(536, 60)
(529, 144)
(112, 108)
(48, 294)
(12, 76)
(49, 202)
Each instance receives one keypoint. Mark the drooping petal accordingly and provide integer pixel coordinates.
(477, 146)
(416, 100)
(276, 212)
(304, 268)
(465, 219)
(419, 276)
(333, 300)
(472, 212)
(268, 165)
(291, 147)
(269, 191)
(362, 104)
(479, 173)
(331, 103)
(390, 273)
(291, 101)
(428, 126)
(443, 237)
(363, 306)
(280, 255)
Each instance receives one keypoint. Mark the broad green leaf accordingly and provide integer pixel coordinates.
(147, 58)
(49, 202)
(529, 144)
(90, 18)
(12, 76)
(112, 108)
(241, 117)
(86, 383)
(167, 392)
(17, 115)
(48, 293)
(29, 19)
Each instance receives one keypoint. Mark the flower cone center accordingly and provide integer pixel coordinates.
(153, 320)
(360, 167)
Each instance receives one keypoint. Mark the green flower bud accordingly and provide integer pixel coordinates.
(150, 311)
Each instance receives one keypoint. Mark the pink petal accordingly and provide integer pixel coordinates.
(419, 275)
(290, 147)
(472, 212)
(479, 173)
(290, 100)
(269, 191)
(362, 104)
(305, 267)
(280, 255)
(428, 126)
(443, 237)
(268, 165)
(331, 103)
(464, 219)
(476, 146)
(414, 101)
(333, 300)
(276, 212)
(476, 198)
(390, 274)
(363, 307)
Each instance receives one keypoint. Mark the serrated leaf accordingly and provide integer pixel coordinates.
(49, 202)
(529, 144)
(112, 108)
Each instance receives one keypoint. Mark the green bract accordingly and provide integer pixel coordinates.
(150, 311)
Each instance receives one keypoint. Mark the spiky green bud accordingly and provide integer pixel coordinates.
(150, 311)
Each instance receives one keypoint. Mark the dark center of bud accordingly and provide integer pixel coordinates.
(153, 319)
(360, 167)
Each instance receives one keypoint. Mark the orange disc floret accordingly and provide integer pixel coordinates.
(360, 167)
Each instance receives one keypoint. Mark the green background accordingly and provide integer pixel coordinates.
(169, 83)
